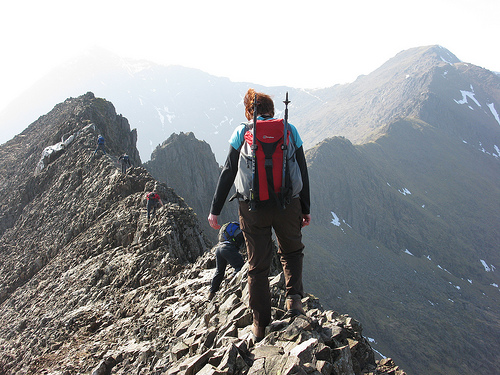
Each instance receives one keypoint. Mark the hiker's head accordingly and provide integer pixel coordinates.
(265, 105)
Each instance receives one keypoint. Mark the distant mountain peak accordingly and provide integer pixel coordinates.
(447, 56)
(419, 58)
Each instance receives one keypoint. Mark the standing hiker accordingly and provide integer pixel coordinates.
(153, 201)
(227, 251)
(124, 160)
(264, 206)
(100, 145)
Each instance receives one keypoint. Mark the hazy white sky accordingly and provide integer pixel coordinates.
(307, 44)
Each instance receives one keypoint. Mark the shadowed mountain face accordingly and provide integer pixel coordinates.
(406, 237)
(189, 167)
(410, 213)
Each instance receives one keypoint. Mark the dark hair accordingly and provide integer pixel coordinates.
(265, 104)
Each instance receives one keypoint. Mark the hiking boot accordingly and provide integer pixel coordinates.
(211, 295)
(258, 333)
(294, 305)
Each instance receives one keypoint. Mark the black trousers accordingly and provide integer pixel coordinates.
(257, 229)
(151, 207)
(225, 253)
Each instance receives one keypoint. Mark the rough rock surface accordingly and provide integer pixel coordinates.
(113, 321)
(89, 286)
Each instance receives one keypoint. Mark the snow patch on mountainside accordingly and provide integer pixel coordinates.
(335, 221)
(468, 94)
(134, 67)
(491, 106)
(405, 191)
(338, 222)
(165, 113)
(487, 268)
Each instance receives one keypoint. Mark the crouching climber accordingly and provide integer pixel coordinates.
(227, 251)
(154, 201)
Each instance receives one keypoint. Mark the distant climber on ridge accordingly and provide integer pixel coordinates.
(124, 160)
(154, 200)
(100, 145)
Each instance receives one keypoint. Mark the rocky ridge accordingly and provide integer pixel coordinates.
(88, 285)
(188, 165)
(165, 325)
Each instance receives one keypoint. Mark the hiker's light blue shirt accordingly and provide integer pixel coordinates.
(238, 136)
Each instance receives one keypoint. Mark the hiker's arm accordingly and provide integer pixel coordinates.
(225, 182)
(305, 199)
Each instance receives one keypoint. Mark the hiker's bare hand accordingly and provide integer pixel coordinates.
(306, 220)
(212, 220)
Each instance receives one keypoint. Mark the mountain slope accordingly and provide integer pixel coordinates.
(361, 110)
(410, 223)
(428, 83)
(55, 194)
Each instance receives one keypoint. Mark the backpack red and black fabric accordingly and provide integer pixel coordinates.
(153, 196)
(269, 148)
(269, 138)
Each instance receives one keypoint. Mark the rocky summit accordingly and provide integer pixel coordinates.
(89, 285)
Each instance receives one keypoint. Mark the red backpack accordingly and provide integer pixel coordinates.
(153, 196)
(269, 157)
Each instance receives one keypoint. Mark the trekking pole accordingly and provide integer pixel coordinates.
(254, 161)
(284, 148)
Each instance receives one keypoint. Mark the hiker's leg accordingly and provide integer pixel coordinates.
(256, 227)
(232, 256)
(287, 226)
(221, 264)
(149, 208)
